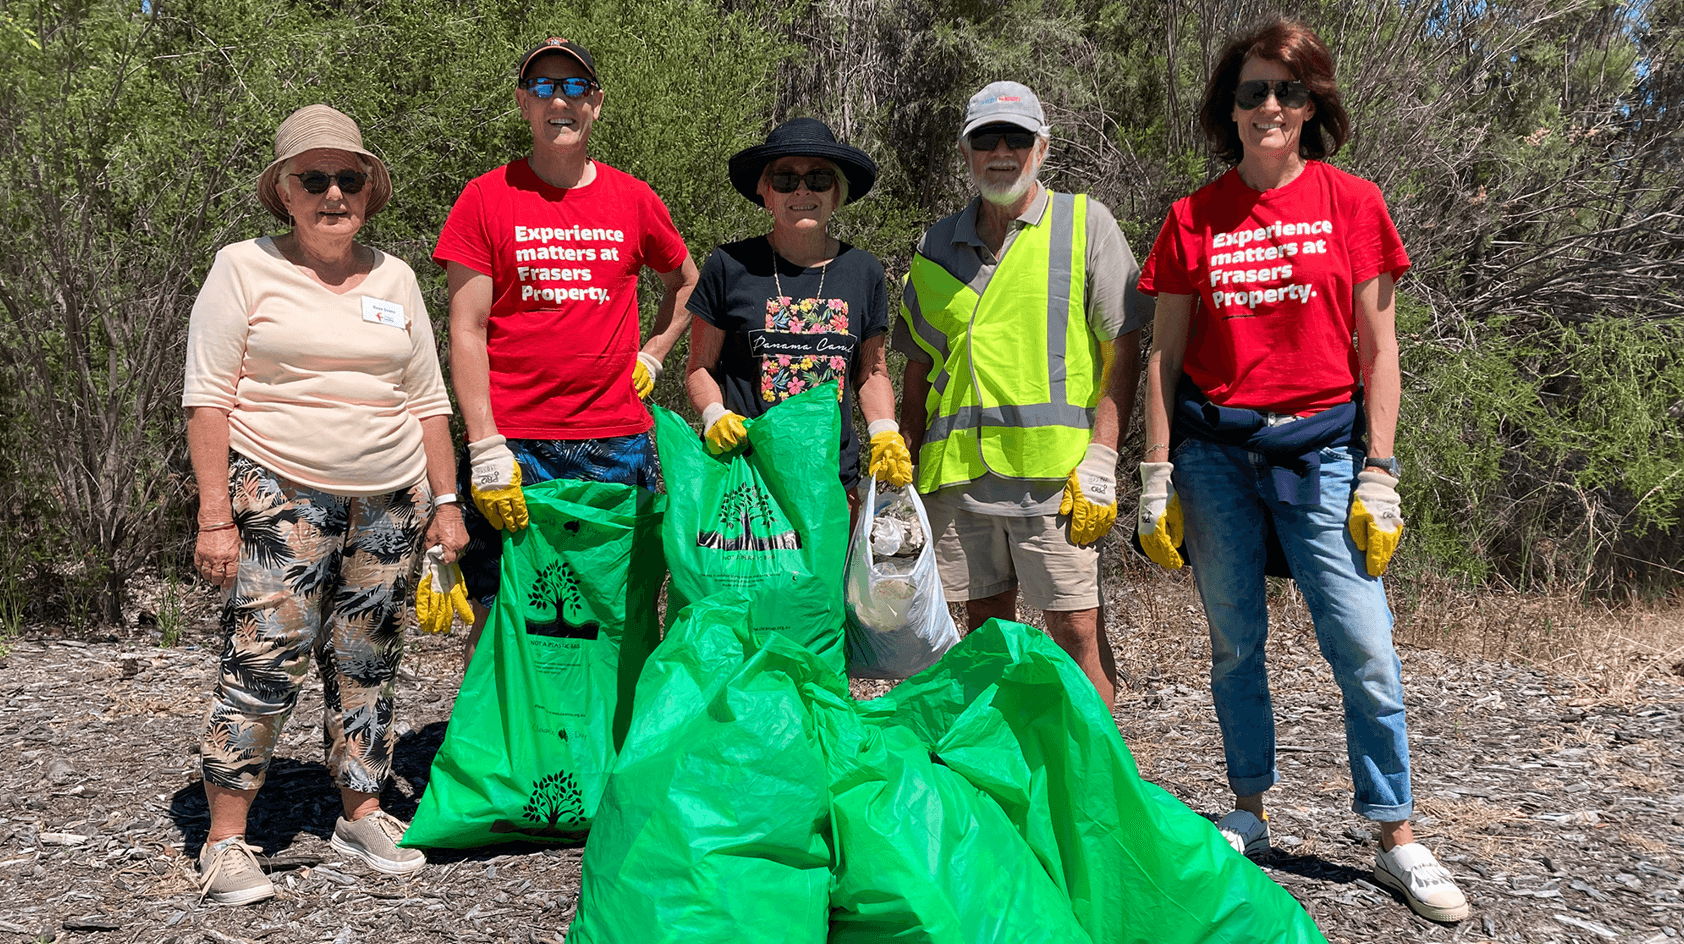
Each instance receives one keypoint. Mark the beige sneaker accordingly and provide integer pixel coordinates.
(374, 839)
(229, 873)
(1426, 886)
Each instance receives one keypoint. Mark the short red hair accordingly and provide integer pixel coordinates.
(1296, 46)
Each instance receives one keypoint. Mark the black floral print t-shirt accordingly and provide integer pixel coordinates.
(778, 344)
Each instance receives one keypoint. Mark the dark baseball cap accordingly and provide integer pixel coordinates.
(565, 47)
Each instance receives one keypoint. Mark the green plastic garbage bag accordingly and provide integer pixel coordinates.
(546, 702)
(769, 519)
(713, 827)
(924, 857)
(1011, 713)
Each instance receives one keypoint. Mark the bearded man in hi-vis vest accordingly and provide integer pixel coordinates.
(1021, 323)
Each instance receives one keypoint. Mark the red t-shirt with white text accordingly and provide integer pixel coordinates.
(563, 334)
(1274, 272)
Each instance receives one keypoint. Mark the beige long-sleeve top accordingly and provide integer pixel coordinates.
(325, 390)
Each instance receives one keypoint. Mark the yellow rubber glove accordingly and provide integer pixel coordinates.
(441, 593)
(890, 461)
(1090, 495)
(645, 372)
(1376, 520)
(496, 483)
(725, 430)
(1159, 525)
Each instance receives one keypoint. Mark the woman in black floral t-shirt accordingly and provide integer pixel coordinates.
(781, 313)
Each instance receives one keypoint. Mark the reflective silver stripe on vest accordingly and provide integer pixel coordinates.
(1063, 237)
(929, 334)
(1014, 417)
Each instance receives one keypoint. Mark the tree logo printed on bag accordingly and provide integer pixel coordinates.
(555, 596)
(555, 808)
(748, 521)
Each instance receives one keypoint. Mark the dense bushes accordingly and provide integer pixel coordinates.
(1529, 149)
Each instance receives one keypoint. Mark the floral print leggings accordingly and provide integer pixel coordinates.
(322, 574)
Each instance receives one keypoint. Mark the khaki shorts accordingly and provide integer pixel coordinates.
(981, 555)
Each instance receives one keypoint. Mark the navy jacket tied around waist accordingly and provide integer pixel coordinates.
(1292, 450)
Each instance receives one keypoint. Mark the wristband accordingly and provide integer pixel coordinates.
(218, 526)
(447, 498)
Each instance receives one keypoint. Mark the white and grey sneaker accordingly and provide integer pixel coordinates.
(1426, 886)
(374, 839)
(1248, 834)
(229, 873)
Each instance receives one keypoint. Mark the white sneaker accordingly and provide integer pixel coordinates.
(1426, 886)
(1245, 832)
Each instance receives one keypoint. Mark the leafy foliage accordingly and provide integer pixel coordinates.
(1528, 149)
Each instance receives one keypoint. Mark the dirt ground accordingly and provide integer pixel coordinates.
(1559, 808)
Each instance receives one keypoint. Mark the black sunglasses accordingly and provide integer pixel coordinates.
(315, 181)
(818, 181)
(987, 139)
(1291, 93)
(570, 87)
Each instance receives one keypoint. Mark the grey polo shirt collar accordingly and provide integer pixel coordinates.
(964, 229)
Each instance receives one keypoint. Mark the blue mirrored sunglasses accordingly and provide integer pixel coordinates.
(570, 87)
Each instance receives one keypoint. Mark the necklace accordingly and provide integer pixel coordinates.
(824, 269)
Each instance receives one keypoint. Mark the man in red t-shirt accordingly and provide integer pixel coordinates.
(542, 257)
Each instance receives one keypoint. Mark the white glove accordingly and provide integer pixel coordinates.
(1159, 524)
(441, 593)
(496, 483)
(645, 372)
(1090, 495)
(724, 429)
(1376, 519)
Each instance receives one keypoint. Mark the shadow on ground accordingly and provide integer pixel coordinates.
(299, 797)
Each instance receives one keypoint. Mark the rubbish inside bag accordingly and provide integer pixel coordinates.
(896, 533)
(898, 621)
(897, 539)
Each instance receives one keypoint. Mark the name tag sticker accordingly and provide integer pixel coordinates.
(381, 311)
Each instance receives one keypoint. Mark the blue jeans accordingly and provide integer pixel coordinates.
(1225, 494)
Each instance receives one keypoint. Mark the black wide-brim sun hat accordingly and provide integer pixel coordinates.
(802, 137)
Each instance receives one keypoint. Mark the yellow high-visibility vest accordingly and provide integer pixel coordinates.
(1015, 377)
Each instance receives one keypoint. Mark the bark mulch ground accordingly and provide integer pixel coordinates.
(1559, 811)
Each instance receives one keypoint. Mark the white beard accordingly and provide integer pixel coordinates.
(1004, 196)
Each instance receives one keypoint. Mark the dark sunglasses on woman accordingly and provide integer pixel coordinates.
(570, 87)
(987, 139)
(1291, 93)
(818, 181)
(316, 181)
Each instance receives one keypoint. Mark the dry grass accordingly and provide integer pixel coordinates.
(1158, 629)
(1158, 632)
(1614, 649)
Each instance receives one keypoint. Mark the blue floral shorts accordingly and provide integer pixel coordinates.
(626, 460)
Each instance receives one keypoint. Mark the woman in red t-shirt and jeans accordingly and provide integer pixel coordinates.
(1270, 432)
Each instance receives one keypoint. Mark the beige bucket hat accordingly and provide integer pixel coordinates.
(320, 126)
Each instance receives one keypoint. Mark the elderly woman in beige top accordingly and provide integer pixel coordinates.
(318, 429)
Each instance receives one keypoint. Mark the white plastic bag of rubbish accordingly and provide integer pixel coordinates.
(898, 621)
